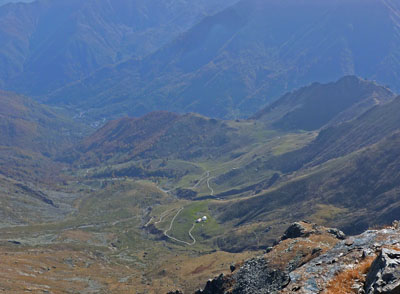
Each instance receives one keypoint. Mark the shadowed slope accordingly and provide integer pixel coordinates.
(317, 105)
(232, 63)
(49, 43)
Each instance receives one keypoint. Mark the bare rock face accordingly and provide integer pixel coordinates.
(217, 286)
(270, 273)
(305, 229)
(316, 275)
(257, 277)
(312, 259)
(296, 230)
(384, 275)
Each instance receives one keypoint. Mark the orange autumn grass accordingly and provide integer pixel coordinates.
(343, 282)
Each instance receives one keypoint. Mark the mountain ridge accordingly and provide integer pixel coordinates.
(324, 104)
(49, 44)
(284, 57)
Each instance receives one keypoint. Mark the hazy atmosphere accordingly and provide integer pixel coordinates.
(199, 147)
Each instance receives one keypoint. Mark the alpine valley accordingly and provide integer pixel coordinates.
(148, 146)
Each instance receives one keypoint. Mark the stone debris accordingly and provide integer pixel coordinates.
(309, 257)
(384, 275)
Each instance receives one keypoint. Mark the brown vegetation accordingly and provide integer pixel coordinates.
(344, 281)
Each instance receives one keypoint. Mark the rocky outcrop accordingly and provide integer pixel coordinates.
(217, 286)
(319, 273)
(248, 278)
(269, 273)
(306, 229)
(311, 259)
(384, 275)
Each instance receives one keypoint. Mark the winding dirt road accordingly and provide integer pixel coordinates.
(175, 239)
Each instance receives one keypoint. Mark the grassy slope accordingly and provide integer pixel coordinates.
(343, 139)
(107, 208)
(30, 136)
(32, 126)
(193, 152)
(103, 240)
(352, 192)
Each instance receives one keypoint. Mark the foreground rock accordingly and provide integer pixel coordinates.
(384, 275)
(269, 273)
(312, 259)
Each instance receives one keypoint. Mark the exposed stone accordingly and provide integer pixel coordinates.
(257, 277)
(349, 242)
(268, 249)
(232, 268)
(295, 230)
(384, 275)
(305, 229)
(269, 273)
(337, 233)
(314, 276)
(216, 286)
(316, 250)
(309, 257)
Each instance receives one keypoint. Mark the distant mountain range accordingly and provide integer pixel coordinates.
(232, 63)
(311, 108)
(50, 43)
(3, 2)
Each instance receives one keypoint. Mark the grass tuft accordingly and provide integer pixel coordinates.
(344, 281)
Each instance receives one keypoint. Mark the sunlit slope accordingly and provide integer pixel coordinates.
(30, 136)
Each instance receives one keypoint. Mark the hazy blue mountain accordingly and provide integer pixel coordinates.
(318, 105)
(3, 2)
(48, 43)
(343, 139)
(236, 61)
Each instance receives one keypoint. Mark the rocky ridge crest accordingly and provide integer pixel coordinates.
(312, 259)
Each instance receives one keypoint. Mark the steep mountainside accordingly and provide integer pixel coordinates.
(30, 134)
(343, 139)
(162, 135)
(336, 173)
(29, 125)
(308, 259)
(317, 105)
(347, 176)
(232, 63)
(50, 43)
